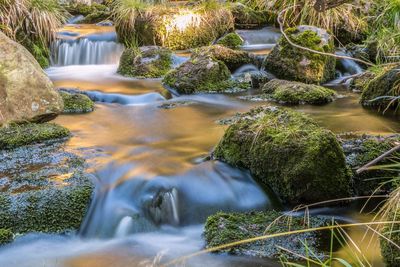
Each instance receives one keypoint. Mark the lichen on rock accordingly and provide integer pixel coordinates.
(288, 152)
(291, 63)
(293, 93)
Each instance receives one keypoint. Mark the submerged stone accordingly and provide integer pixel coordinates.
(145, 62)
(26, 93)
(294, 93)
(76, 103)
(231, 40)
(233, 59)
(16, 135)
(288, 152)
(290, 63)
(224, 228)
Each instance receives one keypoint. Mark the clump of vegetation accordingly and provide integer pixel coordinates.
(33, 23)
(76, 103)
(151, 23)
(6, 236)
(231, 40)
(298, 93)
(288, 152)
(291, 63)
(93, 13)
(145, 62)
(250, 16)
(16, 135)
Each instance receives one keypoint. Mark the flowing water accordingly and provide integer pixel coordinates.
(154, 186)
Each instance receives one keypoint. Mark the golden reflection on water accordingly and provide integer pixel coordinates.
(85, 29)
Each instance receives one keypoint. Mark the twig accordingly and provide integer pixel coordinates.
(378, 159)
(281, 27)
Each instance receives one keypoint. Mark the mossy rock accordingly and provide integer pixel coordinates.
(362, 149)
(224, 228)
(96, 17)
(46, 189)
(295, 93)
(6, 236)
(231, 40)
(288, 152)
(199, 74)
(85, 9)
(233, 59)
(16, 135)
(390, 252)
(249, 18)
(145, 62)
(381, 90)
(76, 103)
(290, 63)
(361, 82)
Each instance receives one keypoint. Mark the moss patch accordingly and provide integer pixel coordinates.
(77, 103)
(249, 18)
(289, 152)
(224, 228)
(291, 63)
(17, 135)
(6, 236)
(298, 93)
(231, 40)
(145, 62)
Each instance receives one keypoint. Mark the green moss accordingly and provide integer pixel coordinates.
(224, 228)
(361, 82)
(289, 152)
(291, 63)
(76, 103)
(231, 40)
(390, 253)
(249, 18)
(146, 62)
(298, 93)
(6, 236)
(85, 9)
(39, 50)
(384, 86)
(17, 135)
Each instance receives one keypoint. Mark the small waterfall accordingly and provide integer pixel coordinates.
(348, 66)
(87, 50)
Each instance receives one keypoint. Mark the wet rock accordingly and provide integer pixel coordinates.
(294, 93)
(201, 74)
(26, 93)
(382, 90)
(6, 236)
(288, 152)
(145, 62)
(233, 59)
(362, 149)
(76, 103)
(43, 188)
(175, 104)
(249, 18)
(256, 78)
(291, 63)
(16, 135)
(231, 40)
(225, 228)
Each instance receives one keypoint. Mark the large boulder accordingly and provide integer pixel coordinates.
(293, 93)
(290, 63)
(26, 93)
(145, 62)
(233, 59)
(288, 152)
(383, 89)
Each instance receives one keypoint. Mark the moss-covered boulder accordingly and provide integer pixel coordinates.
(16, 135)
(76, 103)
(381, 90)
(233, 59)
(231, 40)
(294, 93)
(145, 62)
(390, 252)
(26, 93)
(288, 152)
(225, 228)
(6, 236)
(199, 74)
(250, 18)
(290, 63)
(362, 149)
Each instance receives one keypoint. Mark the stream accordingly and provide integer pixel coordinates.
(142, 153)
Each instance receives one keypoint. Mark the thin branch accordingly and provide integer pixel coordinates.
(378, 159)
